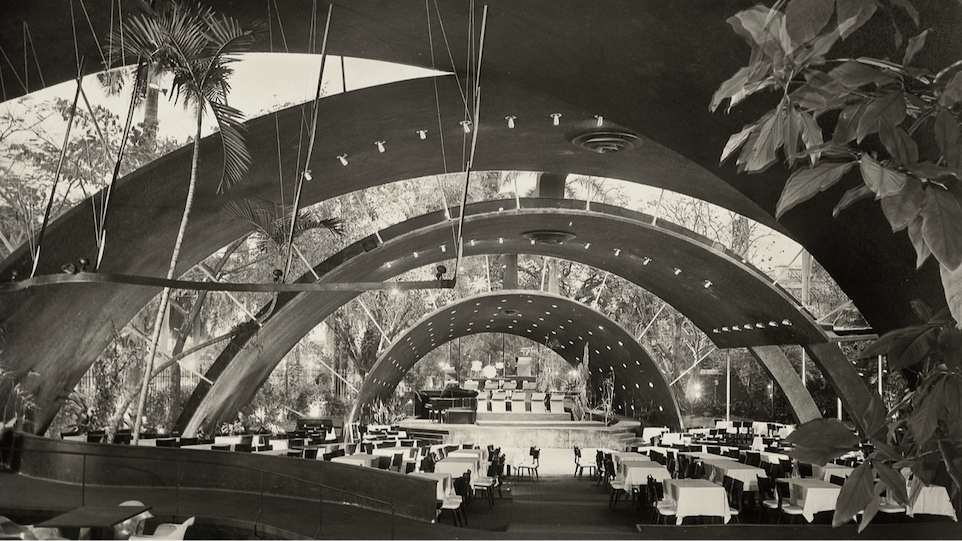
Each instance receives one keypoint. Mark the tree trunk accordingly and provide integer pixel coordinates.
(165, 295)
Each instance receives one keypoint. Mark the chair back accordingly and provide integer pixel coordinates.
(397, 461)
(384, 462)
(737, 491)
(786, 467)
(310, 454)
(765, 488)
(805, 470)
(577, 454)
(836, 480)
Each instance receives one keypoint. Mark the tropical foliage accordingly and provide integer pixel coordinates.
(195, 46)
(898, 126)
(895, 123)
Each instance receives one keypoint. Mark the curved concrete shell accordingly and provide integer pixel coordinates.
(573, 327)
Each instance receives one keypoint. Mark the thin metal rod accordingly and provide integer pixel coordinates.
(652, 322)
(210, 274)
(692, 367)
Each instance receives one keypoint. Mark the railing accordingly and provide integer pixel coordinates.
(18, 452)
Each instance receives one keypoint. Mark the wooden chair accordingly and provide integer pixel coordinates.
(530, 465)
(581, 464)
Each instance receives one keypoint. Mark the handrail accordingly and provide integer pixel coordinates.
(203, 460)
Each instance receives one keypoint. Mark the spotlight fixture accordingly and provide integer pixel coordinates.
(600, 119)
(278, 273)
(343, 159)
(307, 175)
(69, 268)
(510, 120)
(423, 134)
(441, 269)
(84, 262)
(380, 146)
(466, 124)
(556, 119)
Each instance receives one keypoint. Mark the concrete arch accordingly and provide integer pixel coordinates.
(495, 231)
(539, 316)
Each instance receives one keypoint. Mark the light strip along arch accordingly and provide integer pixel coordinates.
(739, 294)
(541, 317)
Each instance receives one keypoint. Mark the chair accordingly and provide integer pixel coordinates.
(310, 454)
(787, 468)
(485, 485)
(530, 465)
(836, 480)
(766, 495)
(384, 462)
(537, 403)
(581, 465)
(133, 525)
(805, 470)
(714, 449)
(295, 453)
(789, 511)
(167, 531)
(753, 458)
(662, 509)
(455, 503)
(397, 462)
(735, 490)
(11, 530)
(243, 448)
(617, 485)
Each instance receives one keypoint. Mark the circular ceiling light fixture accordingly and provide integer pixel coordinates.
(606, 141)
(549, 236)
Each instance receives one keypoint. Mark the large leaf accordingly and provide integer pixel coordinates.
(947, 135)
(804, 19)
(736, 141)
(890, 107)
(729, 88)
(952, 93)
(852, 196)
(852, 14)
(882, 180)
(942, 226)
(805, 183)
(902, 208)
(853, 74)
(893, 480)
(952, 284)
(922, 249)
(914, 46)
(871, 508)
(847, 126)
(912, 348)
(924, 419)
(898, 142)
(811, 135)
(769, 139)
(855, 495)
(821, 440)
(874, 418)
(909, 9)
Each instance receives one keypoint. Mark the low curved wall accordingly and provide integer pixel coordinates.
(134, 466)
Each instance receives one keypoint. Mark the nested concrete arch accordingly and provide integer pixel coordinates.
(649, 66)
(570, 326)
(146, 206)
(610, 238)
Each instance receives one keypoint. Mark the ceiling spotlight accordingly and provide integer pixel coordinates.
(69, 268)
(343, 159)
(307, 175)
(439, 274)
(646, 261)
(556, 119)
(277, 275)
(707, 284)
(786, 322)
(84, 262)
(466, 124)
(379, 145)
(423, 134)
(601, 120)
(677, 272)
(510, 120)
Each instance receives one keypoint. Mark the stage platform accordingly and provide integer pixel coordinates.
(514, 432)
(487, 418)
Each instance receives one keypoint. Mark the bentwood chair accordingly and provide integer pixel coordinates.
(167, 531)
(530, 465)
(133, 525)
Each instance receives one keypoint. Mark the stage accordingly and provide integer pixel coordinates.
(502, 431)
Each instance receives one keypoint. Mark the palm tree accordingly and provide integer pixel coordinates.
(195, 46)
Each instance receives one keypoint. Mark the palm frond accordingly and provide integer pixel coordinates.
(236, 157)
(272, 222)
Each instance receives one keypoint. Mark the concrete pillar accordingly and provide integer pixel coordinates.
(510, 272)
(775, 362)
(551, 185)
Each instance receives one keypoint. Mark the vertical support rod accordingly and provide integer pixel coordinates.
(880, 375)
(728, 386)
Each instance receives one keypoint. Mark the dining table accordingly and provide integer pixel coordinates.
(716, 469)
(826, 471)
(99, 518)
(359, 459)
(928, 500)
(811, 494)
(480, 453)
(635, 474)
(619, 458)
(457, 465)
(696, 498)
(445, 485)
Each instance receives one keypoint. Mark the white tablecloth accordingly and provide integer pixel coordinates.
(457, 465)
(636, 474)
(716, 470)
(479, 453)
(355, 460)
(826, 472)
(812, 495)
(445, 485)
(619, 458)
(697, 497)
(931, 500)
(651, 431)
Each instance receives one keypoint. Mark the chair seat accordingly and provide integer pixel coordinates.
(790, 509)
(483, 482)
(771, 504)
(891, 508)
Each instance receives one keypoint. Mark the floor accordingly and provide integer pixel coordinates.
(558, 506)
